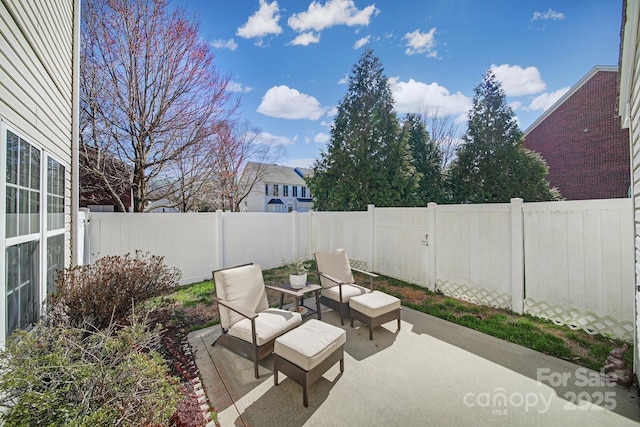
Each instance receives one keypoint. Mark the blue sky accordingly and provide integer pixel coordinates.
(288, 60)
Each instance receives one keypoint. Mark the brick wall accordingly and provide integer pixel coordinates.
(585, 148)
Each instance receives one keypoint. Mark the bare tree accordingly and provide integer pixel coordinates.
(188, 181)
(242, 162)
(151, 95)
(444, 132)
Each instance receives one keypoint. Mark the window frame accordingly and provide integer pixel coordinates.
(43, 236)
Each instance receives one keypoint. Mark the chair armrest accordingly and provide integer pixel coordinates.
(331, 278)
(368, 273)
(281, 290)
(242, 312)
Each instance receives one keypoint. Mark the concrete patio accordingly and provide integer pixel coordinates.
(431, 372)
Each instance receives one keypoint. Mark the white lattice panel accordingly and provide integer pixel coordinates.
(474, 295)
(360, 265)
(575, 319)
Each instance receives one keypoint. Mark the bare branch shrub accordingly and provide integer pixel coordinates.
(108, 289)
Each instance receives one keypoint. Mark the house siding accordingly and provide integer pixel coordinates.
(37, 97)
(583, 143)
(629, 110)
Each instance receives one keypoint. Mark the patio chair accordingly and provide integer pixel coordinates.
(336, 277)
(249, 326)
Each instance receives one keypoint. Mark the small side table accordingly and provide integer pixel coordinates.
(298, 296)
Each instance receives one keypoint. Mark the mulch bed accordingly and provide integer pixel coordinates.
(194, 408)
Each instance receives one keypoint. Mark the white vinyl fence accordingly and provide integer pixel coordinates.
(571, 262)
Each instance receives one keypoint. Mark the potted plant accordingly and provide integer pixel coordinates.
(298, 270)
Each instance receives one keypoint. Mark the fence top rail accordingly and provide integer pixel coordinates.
(342, 213)
(478, 207)
(578, 205)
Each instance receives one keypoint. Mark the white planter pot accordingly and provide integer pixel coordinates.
(298, 281)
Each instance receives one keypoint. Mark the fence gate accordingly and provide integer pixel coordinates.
(402, 238)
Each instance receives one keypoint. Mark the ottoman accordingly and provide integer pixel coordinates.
(374, 309)
(307, 352)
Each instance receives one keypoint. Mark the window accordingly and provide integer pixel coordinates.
(275, 190)
(34, 242)
(23, 188)
(266, 189)
(295, 191)
(304, 191)
(285, 190)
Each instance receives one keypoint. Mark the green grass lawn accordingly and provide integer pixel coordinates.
(194, 309)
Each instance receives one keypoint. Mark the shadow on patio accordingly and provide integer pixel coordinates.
(431, 372)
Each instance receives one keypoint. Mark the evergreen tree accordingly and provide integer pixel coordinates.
(427, 160)
(367, 160)
(492, 164)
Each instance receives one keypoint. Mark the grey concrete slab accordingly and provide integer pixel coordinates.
(431, 372)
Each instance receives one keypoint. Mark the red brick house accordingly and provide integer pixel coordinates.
(581, 139)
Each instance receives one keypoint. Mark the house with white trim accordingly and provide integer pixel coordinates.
(580, 138)
(276, 189)
(38, 152)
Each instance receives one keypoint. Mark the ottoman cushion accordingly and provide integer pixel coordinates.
(374, 304)
(309, 344)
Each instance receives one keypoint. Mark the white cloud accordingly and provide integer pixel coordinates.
(515, 105)
(237, 87)
(332, 111)
(546, 100)
(321, 137)
(421, 43)
(286, 103)
(225, 44)
(333, 12)
(301, 163)
(269, 139)
(461, 119)
(517, 81)
(263, 22)
(549, 14)
(344, 80)
(361, 42)
(305, 39)
(413, 96)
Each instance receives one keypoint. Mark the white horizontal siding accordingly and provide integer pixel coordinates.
(36, 72)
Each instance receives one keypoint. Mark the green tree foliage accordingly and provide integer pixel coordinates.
(492, 164)
(427, 160)
(368, 160)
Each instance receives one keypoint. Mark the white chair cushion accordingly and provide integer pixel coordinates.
(374, 304)
(335, 264)
(270, 324)
(348, 291)
(310, 344)
(241, 286)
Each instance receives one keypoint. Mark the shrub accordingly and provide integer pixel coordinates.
(107, 289)
(56, 375)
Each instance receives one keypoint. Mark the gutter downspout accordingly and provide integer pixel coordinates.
(75, 130)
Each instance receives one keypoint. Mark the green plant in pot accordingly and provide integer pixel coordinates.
(298, 270)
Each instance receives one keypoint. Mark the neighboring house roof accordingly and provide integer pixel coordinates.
(275, 202)
(569, 94)
(581, 140)
(280, 174)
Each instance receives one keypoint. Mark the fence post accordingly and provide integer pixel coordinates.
(371, 230)
(220, 239)
(517, 256)
(294, 234)
(431, 245)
